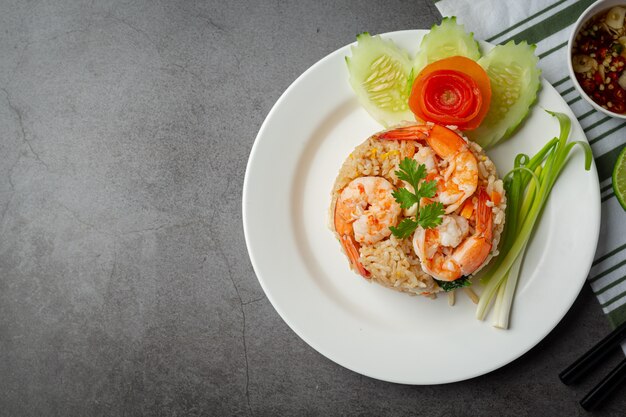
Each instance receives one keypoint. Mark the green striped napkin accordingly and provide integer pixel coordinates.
(548, 24)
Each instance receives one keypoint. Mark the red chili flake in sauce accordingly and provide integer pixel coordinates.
(597, 45)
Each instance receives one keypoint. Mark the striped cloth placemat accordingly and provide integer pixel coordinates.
(548, 24)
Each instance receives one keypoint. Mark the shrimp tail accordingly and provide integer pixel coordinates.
(351, 246)
(471, 254)
(413, 132)
(445, 142)
(352, 250)
(484, 221)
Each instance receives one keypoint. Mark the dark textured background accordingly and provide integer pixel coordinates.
(125, 285)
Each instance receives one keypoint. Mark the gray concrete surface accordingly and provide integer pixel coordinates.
(125, 286)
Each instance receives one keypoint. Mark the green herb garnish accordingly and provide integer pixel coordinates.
(427, 216)
(453, 285)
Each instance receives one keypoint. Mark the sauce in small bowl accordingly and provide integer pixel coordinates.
(598, 57)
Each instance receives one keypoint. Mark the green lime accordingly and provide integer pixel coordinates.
(619, 178)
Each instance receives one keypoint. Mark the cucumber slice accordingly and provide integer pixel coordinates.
(443, 41)
(381, 77)
(515, 80)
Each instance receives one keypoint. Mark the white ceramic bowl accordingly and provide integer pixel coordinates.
(591, 11)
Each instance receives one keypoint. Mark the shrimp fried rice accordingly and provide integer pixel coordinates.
(390, 261)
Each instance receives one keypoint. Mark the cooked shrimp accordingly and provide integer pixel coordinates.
(460, 179)
(363, 213)
(446, 252)
(425, 155)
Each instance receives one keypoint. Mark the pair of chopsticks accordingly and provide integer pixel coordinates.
(586, 362)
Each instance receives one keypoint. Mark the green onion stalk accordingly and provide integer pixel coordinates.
(527, 187)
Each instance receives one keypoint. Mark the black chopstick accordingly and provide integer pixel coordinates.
(595, 397)
(587, 361)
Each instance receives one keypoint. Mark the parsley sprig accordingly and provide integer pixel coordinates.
(427, 216)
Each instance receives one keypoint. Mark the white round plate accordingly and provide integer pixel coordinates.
(365, 327)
